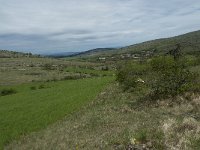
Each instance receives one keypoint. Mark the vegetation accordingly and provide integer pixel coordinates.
(115, 121)
(171, 77)
(31, 110)
(164, 76)
(91, 71)
(189, 43)
(5, 92)
(14, 54)
(154, 105)
(15, 71)
(131, 73)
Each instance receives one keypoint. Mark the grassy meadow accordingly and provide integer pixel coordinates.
(114, 120)
(92, 72)
(31, 109)
(15, 71)
(36, 92)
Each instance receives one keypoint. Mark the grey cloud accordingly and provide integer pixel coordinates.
(76, 25)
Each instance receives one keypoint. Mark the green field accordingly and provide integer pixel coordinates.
(30, 110)
(15, 71)
(89, 71)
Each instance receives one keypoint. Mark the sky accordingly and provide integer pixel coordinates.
(52, 26)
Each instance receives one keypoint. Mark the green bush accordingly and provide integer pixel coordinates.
(170, 77)
(33, 88)
(130, 74)
(42, 86)
(5, 92)
(191, 60)
(164, 76)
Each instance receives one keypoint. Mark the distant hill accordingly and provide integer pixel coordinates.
(61, 54)
(190, 44)
(14, 54)
(94, 52)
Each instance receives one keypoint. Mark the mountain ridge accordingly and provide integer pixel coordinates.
(190, 43)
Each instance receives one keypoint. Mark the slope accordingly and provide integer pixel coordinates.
(190, 43)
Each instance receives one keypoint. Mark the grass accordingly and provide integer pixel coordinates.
(89, 71)
(15, 71)
(112, 122)
(31, 110)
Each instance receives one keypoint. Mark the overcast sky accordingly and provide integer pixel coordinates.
(43, 26)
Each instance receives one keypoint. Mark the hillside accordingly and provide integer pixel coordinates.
(60, 54)
(190, 43)
(14, 54)
(95, 52)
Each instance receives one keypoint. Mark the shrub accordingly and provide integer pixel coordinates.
(129, 73)
(54, 79)
(105, 68)
(32, 65)
(94, 75)
(33, 88)
(164, 76)
(193, 60)
(48, 67)
(170, 77)
(42, 86)
(141, 136)
(5, 92)
(73, 77)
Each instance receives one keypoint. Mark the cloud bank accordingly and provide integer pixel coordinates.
(43, 26)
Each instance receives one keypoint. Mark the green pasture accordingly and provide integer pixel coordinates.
(32, 109)
(89, 71)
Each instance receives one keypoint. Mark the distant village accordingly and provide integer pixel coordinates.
(124, 56)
